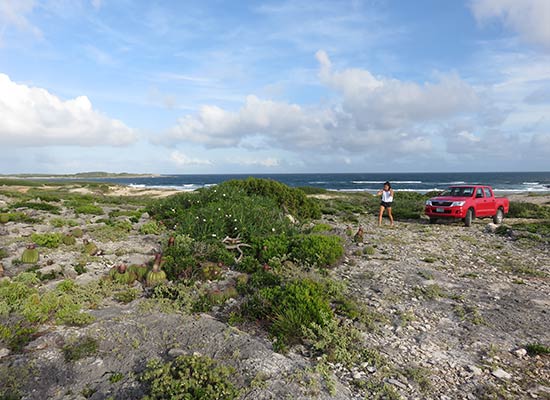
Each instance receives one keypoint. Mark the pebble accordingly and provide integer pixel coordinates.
(520, 353)
(4, 352)
(501, 374)
(475, 370)
(176, 352)
(395, 382)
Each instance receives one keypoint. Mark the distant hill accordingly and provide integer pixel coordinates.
(80, 175)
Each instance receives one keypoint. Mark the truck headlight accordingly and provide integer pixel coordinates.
(458, 203)
(428, 202)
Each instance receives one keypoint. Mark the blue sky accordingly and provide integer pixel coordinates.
(274, 86)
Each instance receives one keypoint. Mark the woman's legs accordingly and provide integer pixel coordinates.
(389, 215)
(380, 215)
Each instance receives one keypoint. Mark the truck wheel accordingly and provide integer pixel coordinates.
(469, 217)
(498, 217)
(433, 220)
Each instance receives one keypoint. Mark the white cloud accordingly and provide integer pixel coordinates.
(14, 13)
(529, 18)
(371, 114)
(385, 103)
(97, 4)
(268, 162)
(181, 159)
(34, 117)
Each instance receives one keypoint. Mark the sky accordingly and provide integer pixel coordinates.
(210, 86)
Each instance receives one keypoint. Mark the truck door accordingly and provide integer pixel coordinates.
(490, 202)
(480, 203)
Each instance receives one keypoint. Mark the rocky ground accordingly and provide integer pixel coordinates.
(455, 308)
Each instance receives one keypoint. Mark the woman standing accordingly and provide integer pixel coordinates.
(385, 204)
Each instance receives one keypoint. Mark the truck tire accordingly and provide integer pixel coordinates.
(469, 217)
(498, 217)
(433, 220)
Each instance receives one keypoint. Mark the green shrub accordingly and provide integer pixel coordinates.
(534, 349)
(528, 210)
(290, 308)
(61, 222)
(292, 200)
(317, 228)
(249, 209)
(108, 233)
(16, 332)
(273, 246)
(80, 348)
(36, 206)
(318, 250)
(88, 209)
(150, 228)
(185, 260)
(369, 250)
(3, 253)
(189, 377)
(17, 217)
(50, 240)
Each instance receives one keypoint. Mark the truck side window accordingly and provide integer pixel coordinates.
(487, 192)
(479, 193)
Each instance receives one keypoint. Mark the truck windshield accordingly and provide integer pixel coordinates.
(459, 192)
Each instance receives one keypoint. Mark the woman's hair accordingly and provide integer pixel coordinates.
(387, 183)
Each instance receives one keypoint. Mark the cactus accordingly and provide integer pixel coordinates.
(121, 274)
(69, 240)
(90, 248)
(358, 238)
(156, 276)
(30, 255)
(211, 271)
(77, 232)
(139, 270)
(4, 218)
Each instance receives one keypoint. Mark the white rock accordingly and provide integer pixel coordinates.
(520, 353)
(501, 374)
(474, 370)
(4, 352)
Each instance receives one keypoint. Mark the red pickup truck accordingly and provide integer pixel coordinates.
(467, 202)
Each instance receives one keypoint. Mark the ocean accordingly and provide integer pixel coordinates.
(503, 182)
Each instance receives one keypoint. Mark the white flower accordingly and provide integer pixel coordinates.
(203, 220)
(235, 220)
(272, 229)
(213, 235)
(223, 194)
(235, 228)
(219, 209)
(173, 210)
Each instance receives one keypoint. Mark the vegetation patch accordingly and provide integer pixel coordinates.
(189, 377)
(82, 347)
(49, 240)
(535, 349)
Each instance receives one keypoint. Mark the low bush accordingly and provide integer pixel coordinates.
(89, 209)
(535, 349)
(61, 222)
(80, 348)
(290, 308)
(36, 206)
(17, 217)
(528, 210)
(189, 377)
(150, 228)
(50, 240)
(317, 250)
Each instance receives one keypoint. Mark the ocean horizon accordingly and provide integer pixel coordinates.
(502, 182)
